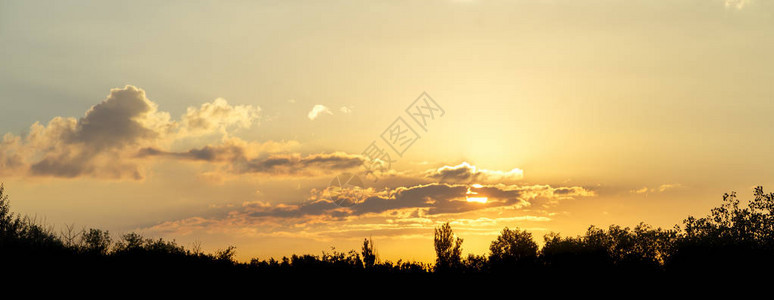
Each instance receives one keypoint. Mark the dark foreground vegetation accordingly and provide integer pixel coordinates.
(733, 241)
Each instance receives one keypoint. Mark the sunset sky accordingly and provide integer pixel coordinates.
(225, 122)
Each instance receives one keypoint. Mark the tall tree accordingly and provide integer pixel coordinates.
(448, 249)
(369, 253)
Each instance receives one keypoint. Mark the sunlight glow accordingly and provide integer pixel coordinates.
(475, 199)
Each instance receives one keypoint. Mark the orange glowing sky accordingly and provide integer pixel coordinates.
(226, 123)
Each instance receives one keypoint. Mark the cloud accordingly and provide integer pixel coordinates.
(116, 138)
(104, 142)
(218, 116)
(660, 189)
(666, 187)
(345, 109)
(234, 154)
(467, 173)
(125, 117)
(94, 144)
(399, 211)
(433, 198)
(642, 190)
(226, 152)
(738, 4)
(10, 159)
(317, 110)
(324, 163)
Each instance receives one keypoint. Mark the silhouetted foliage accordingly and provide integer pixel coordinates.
(23, 233)
(448, 250)
(730, 239)
(476, 263)
(513, 248)
(369, 253)
(96, 241)
(226, 255)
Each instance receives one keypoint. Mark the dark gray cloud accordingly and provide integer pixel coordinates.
(296, 164)
(92, 144)
(433, 198)
(314, 208)
(217, 153)
(467, 173)
(116, 122)
(281, 164)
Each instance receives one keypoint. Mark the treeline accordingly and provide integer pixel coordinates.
(26, 246)
(732, 238)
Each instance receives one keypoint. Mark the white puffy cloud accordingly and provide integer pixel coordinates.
(317, 110)
(217, 116)
(738, 4)
(659, 189)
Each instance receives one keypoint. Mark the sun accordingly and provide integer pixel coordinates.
(470, 195)
(477, 199)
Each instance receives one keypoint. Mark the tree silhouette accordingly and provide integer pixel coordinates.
(448, 250)
(131, 242)
(730, 239)
(369, 254)
(572, 253)
(96, 241)
(513, 247)
(226, 255)
(7, 226)
(23, 233)
(476, 263)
